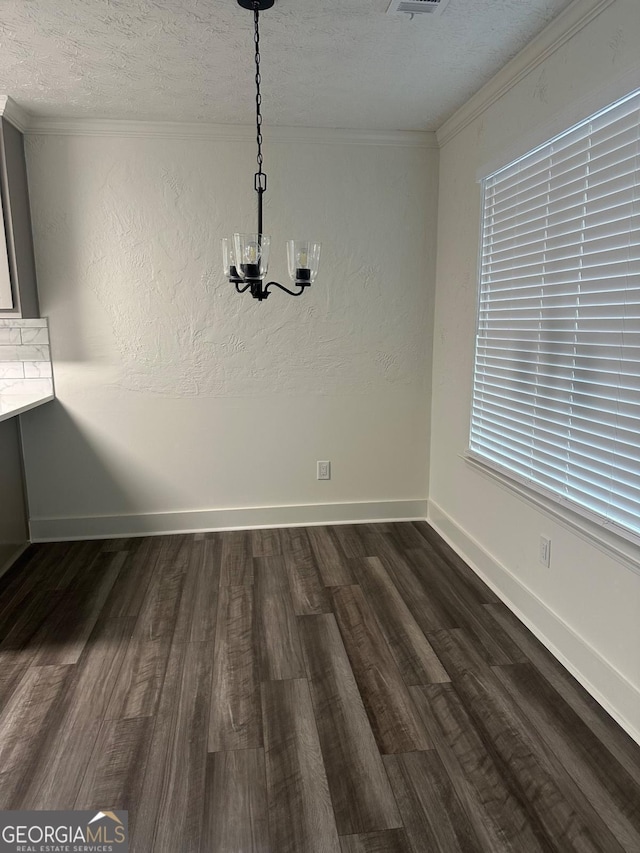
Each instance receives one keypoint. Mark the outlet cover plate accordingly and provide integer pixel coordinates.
(324, 470)
(545, 551)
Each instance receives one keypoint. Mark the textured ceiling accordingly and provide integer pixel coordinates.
(326, 63)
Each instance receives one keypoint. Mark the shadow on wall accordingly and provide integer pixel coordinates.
(77, 464)
(57, 219)
(127, 244)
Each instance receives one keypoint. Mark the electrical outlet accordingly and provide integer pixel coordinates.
(324, 470)
(545, 551)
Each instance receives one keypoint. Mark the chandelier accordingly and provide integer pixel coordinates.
(246, 256)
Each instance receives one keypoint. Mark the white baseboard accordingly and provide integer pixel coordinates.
(199, 521)
(7, 562)
(617, 695)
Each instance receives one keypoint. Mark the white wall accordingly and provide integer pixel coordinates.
(175, 394)
(587, 605)
(13, 522)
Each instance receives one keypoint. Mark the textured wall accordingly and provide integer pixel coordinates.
(597, 597)
(174, 392)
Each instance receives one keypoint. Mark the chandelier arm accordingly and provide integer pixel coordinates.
(242, 289)
(286, 289)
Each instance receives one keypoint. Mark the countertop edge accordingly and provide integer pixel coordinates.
(23, 406)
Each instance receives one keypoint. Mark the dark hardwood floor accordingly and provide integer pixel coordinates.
(349, 689)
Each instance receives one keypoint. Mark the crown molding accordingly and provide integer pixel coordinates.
(12, 112)
(563, 28)
(236, 133)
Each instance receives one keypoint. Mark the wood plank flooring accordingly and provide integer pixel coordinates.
(348, 689)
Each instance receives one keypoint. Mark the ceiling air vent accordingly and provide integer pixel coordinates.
(417, 7)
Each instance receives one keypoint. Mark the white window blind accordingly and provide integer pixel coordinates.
(556, 395)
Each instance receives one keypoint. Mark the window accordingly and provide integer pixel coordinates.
(556, 394)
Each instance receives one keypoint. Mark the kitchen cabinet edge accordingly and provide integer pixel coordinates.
(17, 215)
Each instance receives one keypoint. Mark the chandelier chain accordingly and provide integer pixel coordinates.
(246, 256)
(260, 183)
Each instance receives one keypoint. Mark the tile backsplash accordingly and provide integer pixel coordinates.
(25, 357)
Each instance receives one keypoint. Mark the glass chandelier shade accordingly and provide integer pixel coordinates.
(246, 256)
(303, 258)
(252, 253)
(229, 259)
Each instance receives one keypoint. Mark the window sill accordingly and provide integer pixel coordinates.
(603, 538)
